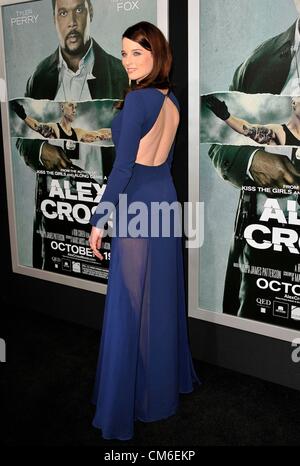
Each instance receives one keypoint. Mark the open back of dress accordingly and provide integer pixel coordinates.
(155, 146)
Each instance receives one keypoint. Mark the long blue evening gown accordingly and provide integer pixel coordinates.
(144, 358)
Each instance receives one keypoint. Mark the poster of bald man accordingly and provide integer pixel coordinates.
(249, 164)
(64, 77)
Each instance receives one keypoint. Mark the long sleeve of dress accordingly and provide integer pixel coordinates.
(133, 115)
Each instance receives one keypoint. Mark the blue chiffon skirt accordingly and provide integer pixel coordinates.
(144, 359)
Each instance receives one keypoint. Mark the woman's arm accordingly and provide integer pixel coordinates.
(126, 151)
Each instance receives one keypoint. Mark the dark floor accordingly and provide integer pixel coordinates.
(47, 381)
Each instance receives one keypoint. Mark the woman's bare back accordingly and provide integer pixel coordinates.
(155, 146)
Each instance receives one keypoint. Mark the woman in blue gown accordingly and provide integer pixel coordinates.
(144, 358)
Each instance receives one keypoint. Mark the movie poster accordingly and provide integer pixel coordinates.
(250, 159)
(64, 78)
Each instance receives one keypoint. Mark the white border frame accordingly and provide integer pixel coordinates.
(194, 310)
(163, 24)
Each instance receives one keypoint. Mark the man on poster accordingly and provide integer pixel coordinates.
(272, 134)
(78, 70)
(64, 128)
(272, 68)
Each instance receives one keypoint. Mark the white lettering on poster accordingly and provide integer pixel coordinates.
(261, 236)
(24, 17)
(128, 5)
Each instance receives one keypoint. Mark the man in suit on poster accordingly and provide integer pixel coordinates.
(78, 70)
(273, 67)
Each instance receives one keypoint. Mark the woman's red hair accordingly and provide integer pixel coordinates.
(151, 38)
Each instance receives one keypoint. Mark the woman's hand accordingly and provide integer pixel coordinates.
(95, 240)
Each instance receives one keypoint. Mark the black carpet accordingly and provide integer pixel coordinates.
(47, 381)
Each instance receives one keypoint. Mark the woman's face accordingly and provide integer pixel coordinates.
(137, 61)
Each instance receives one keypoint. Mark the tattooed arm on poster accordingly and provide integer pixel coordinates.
(270, 134)
(51, 130)
(47, 130)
